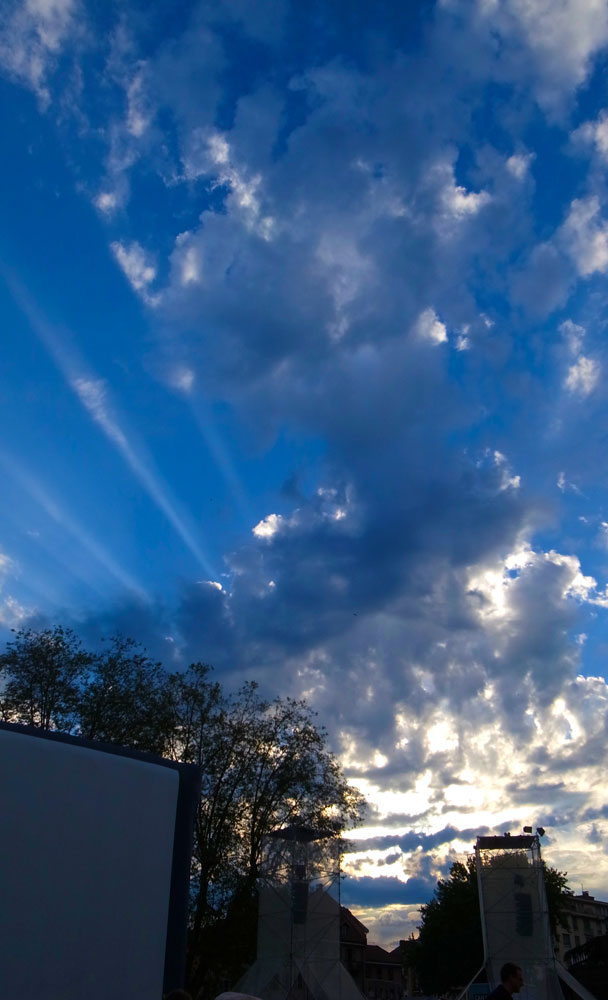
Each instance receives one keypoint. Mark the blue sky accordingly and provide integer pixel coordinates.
(304, 315)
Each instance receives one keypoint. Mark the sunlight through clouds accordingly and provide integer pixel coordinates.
(93, 395)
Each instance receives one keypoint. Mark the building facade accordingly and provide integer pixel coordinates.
(378, 973)
(585, 918)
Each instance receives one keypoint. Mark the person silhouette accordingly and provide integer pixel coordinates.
(511, 982)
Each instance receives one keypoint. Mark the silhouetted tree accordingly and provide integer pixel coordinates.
(41, 677)
(125, 698)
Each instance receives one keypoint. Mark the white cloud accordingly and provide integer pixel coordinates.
(32, 37)
(268, 526)
(190, 267)
(348, 272)
(457, 203)
(508, 480)
(430, 327)
(501, 584)
(518, 165)
(138, 106)
(460, 202)
(106, 202)
(12, 612)
(183, 379)
(602, 536)
(93, 395)
(585, 236)
(550, 43)
(138, 268)
(583, 376)
(186, 260)
(573, 334)
(6, 563)
(595, 133)
(211, 154)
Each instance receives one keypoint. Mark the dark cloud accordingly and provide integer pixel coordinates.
(412, 840)
(382, 890)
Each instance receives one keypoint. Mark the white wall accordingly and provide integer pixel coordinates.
(86, 846)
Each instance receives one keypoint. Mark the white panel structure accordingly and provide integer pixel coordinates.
(298, 949)
(88, 864)
(514, 913)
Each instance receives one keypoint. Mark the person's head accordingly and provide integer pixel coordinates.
(177, 995)
(512, 977)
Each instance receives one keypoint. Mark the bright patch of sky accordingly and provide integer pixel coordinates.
(304, 368)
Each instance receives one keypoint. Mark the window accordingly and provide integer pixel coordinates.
(566, 940)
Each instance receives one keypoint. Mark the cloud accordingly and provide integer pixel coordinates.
(551, 44)
(32, 38)
(545, 281)
(182, 379)
(585, 236)
(595, 134)
(583, 376)
(268, 527)
(430, 327)
(584, 373)
(106, 202)
(138, 268)
(518, 165)
(12, 612)
(383, 891)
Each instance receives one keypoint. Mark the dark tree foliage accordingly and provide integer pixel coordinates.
(41, 678)
(264, 764)
(449, 948)
(125, 699)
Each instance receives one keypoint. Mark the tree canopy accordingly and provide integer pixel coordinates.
(265, 764)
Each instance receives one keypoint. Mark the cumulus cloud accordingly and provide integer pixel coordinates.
(552, 44)
(268, 526)
(585, 236)
(595, 134)
(430, 327)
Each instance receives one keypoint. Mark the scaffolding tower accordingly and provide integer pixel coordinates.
(298, 944)
(515, 916)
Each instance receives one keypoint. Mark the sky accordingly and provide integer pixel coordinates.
(303, 313)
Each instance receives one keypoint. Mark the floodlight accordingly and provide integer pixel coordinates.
(540, 831)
